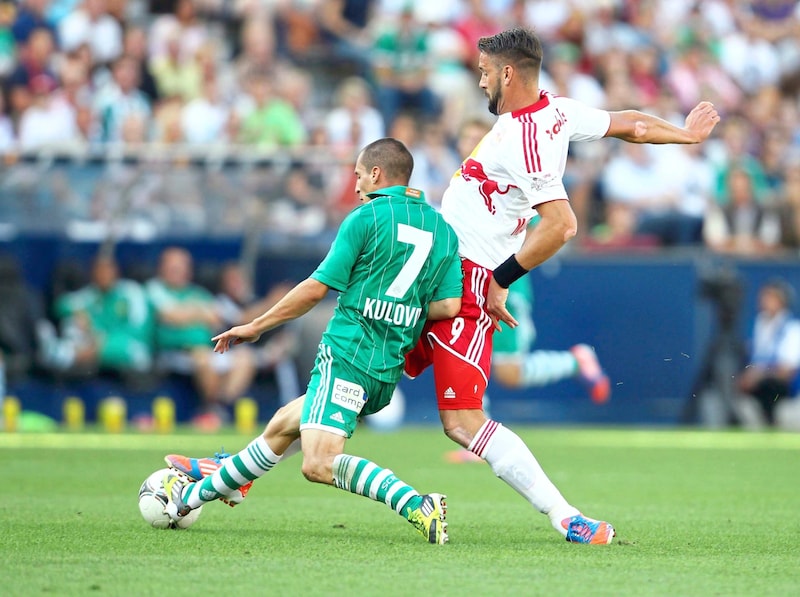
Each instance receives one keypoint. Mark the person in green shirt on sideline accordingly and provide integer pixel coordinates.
(113, 318)
(395, 264)
(186, 317)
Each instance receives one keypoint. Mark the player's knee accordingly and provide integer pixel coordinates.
(314, 469)
(456, 432)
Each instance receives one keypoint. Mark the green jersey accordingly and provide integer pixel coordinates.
(179, 337)
(123, 307)
(391, 258)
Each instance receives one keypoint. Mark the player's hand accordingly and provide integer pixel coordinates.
(236, 335)
(702, 120)
(496, 306)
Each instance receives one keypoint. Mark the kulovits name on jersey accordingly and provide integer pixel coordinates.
(396, 313)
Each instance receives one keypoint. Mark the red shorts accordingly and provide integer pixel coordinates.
(460, 349)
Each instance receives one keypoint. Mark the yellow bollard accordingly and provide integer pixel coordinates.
(245, 415)
(164, 414)
(11, 410)
(74, 413)
(113, 414)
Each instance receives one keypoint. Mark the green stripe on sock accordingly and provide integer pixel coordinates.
(356, 474)
(227, 479)
(242, 468)
(259, 458)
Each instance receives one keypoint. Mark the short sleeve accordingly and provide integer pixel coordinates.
(584, 122)
(336, 268)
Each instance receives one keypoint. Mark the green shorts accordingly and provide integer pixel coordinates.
(338, 394)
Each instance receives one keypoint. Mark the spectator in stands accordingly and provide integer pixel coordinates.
(269, 121)
(205, 119)
(115, 319)
(773, 369)
(135, 46)
(120, 99)
(344, 27)
(738, 151)
(184, 24)
(274, 353)
(742, 225)
(257, 40)
(31, 16)
(177, 75)
(186, 319)
(92, 25)
(696, 74)
(35, 57)
(354, 122)
(644, 197)
(48, 121)
(402, 63)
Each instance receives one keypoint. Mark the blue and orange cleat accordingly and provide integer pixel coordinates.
(591, 373)
(586, 530)
(199, 468)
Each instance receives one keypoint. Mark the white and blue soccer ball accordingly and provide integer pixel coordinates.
(153, 500)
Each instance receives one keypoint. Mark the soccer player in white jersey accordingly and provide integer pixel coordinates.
(395, 264)
(513, 174)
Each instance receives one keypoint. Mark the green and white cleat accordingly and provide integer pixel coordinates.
(430, 518)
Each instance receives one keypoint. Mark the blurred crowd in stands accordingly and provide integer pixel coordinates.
(243, 117)
(318, 79)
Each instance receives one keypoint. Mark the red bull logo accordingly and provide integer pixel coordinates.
(472, 169)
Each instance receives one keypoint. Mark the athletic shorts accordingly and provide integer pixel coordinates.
(460, 349)
(338, 394)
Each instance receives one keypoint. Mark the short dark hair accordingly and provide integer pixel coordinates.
(391, 156)
(519, 46)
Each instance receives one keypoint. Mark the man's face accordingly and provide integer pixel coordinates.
(105, 273)
(364, 181)
(490, 82)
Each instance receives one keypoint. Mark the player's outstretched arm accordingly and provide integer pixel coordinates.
(637, 127)
(298, 301)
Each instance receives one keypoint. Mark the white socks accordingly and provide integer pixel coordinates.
(513, 462)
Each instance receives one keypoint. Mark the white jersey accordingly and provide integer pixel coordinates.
(516, 166)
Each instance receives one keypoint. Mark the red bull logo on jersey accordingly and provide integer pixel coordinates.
(395, 313)
(559, 124)
(472, 169)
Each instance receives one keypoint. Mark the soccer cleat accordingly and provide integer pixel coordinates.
(174, 484)
(199, 468)
(429, 518)
(591, 373)
(586, 530)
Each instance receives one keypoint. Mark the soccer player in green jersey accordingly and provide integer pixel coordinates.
(395, 264)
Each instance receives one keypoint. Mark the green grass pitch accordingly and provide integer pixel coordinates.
(697, 513)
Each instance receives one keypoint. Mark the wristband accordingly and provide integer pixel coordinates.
(508, 272)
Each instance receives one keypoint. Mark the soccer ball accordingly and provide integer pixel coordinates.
(153, 499)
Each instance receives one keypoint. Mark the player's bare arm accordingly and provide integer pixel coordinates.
(637, 127)
(557, 226)
(298, 301)
(444, 309)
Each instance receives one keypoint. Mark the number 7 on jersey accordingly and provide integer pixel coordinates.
(422, 240)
